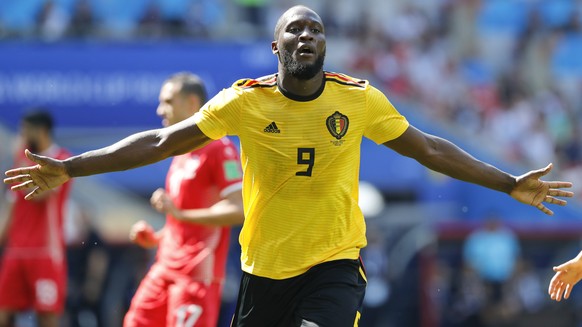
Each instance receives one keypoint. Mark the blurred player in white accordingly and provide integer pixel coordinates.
(202, 198)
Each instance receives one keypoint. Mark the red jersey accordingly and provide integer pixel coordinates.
(36, 226)
(199, 179)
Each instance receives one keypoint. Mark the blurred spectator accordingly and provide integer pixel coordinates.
(52, 21)
(252, 13)
(468, 299)
(150, 23)
(526, 286)
(492, 251)
(82, 20)
(378, 289)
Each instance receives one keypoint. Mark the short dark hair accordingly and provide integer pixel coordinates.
(190, 84)
(39, 117)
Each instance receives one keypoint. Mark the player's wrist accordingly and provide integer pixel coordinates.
(68, 165)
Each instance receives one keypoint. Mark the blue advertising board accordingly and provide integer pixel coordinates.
(89, 84)
(112, 89)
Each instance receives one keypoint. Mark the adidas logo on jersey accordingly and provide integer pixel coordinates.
(272, 128)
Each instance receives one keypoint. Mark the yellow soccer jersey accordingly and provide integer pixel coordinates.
(301, 161)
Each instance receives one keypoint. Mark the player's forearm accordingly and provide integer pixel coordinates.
(134, 151)
(448, 159)
(224, 213)
(137, 150)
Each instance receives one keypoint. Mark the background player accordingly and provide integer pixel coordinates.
(300, 132)
(202, 196)
(33, 270)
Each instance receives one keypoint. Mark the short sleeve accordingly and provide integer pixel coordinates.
(383, 121)
(221, 115)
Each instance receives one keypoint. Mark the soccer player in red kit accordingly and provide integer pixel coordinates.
(201, 199)
(33, 267)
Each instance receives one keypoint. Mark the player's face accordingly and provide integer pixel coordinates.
(301, 44)
(31, 136)
(174, 106)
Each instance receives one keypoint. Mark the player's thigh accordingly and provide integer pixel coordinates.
(149, 305)
(48, 279)
(265, 302)
(333, 297)
(15, 294)
(193, 304)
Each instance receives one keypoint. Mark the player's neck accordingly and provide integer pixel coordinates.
(300, 87)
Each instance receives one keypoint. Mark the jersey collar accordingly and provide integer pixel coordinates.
(302, 98)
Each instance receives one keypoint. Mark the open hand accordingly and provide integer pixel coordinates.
(567, 275)
(529, 189)
(47, 174)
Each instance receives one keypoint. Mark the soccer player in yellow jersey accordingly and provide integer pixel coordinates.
(300, 132)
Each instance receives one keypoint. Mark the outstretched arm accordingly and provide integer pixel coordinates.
(443, 156)
(567, 275)
(137, 150)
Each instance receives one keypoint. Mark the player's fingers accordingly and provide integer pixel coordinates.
(541, 172)
(157, 193)
(159, 206)
(567, 291)
(19, 171)
(33, 157)
(545, 210)
(553, 284)
(155, 200)
(40, 160)
(17, 178)
(560, 193)
(559, 292)
(553, 200)
(36, 191)
(557, 184)
(23, 186)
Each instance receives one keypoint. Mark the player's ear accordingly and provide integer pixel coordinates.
(275, 47)
(195, 102)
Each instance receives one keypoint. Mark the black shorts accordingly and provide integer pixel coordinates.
(327, 295)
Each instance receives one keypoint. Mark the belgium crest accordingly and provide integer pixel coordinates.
(337, 124)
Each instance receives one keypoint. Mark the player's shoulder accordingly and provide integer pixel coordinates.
(346, 80)
(260, 82)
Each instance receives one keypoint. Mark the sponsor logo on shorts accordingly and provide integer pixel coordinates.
(46, 291)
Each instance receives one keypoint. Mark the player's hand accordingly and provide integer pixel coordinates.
(529, 189)
(161, 201)
(47, 174)
(567, 275)
(143, 234)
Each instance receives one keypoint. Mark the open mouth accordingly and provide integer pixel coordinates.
(305, 50)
